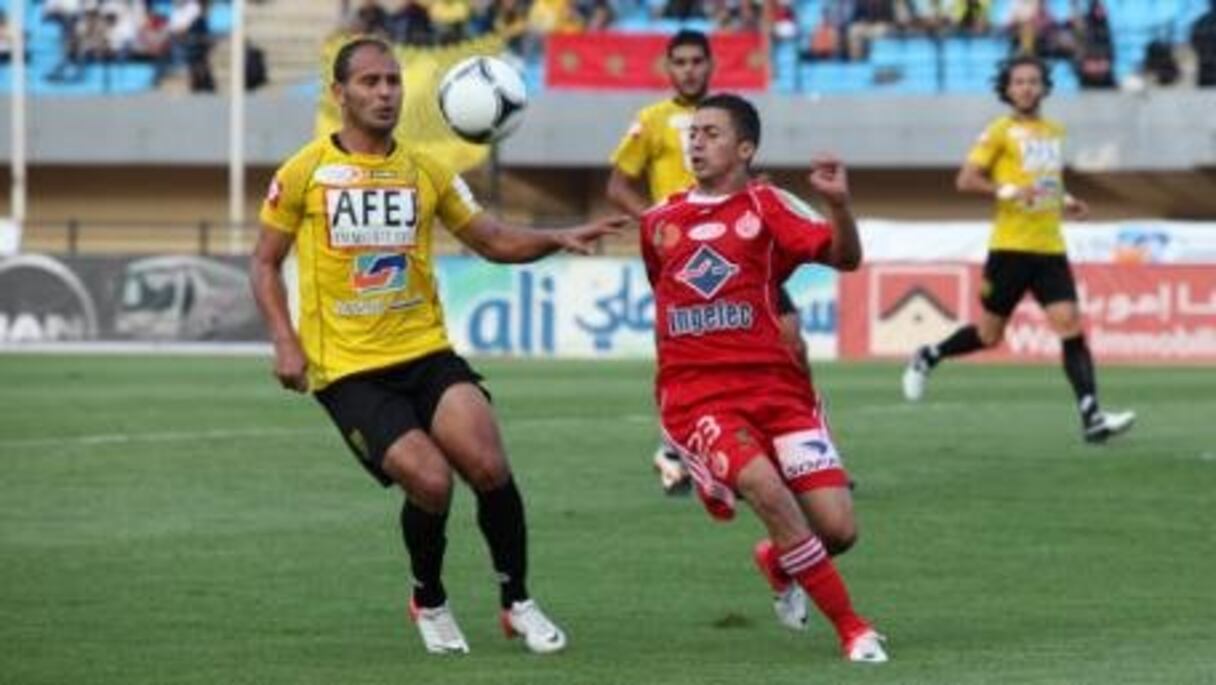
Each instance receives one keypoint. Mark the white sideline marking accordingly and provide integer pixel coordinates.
(242, 433)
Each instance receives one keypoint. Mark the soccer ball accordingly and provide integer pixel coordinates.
(482, 99)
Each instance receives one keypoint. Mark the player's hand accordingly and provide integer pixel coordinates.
(829, 179)
(291, 366)
(582, 239)
(1074, 209)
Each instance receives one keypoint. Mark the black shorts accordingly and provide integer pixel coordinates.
(785, 303)
(375, 408)
(1008, 275)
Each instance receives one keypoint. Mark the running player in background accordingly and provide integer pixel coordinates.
(372, 348)
(1019, 162)
(656, 147)
(734, 400)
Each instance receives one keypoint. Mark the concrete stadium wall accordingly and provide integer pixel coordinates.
(1156, 130)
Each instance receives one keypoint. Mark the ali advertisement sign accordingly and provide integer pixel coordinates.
(166, 298)
(1145, 313)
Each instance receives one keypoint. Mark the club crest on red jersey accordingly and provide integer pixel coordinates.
(706, 272)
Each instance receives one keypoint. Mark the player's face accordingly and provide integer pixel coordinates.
(689, 69)
(714, 148)
(1025, 88)
(371, 96)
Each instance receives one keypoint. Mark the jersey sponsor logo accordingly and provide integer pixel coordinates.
(337, 175)
(379, 273)
(1041, 154)
(373, 307)
(747, 226)
(706, 272)
(707, 232)
(713, 317)
(371, 217)
(805, 452)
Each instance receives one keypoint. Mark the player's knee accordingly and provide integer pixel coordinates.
(428, 481)
(991, 337)
(840, 538)
(487, 474)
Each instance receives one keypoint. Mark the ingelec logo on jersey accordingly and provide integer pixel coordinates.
(379, 273)
(706, 272)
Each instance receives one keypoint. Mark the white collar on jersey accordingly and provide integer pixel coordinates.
(696, 197)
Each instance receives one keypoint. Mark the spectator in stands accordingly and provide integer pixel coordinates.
(511, 24)
(65, 13)
(120, 28)
(449, 17)
(152, 43)
(736, 15)
(1203, 40)
(481, 17)
(782, 19)
(6, 49)
(971, 16)
(871, 19)
(546, 17)
(825, 37)
(1160, 65)
(1095, 50)
(410, 23)
(927, 16)
(370, 19)
(684, 10)
(595, 15)
(191, 40)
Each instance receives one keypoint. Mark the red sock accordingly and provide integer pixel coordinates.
(808, 563)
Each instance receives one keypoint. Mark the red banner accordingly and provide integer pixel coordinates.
(1142, 313)
(630, 61)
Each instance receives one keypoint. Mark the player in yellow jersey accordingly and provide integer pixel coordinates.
(1019, 162)
(372, 348)
(656, 146)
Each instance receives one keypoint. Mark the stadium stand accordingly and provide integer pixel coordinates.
(1092, 43)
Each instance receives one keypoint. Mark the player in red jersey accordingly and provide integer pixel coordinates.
(733, 399)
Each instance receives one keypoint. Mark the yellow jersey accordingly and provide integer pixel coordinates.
(657, 143)
(363, 225)
(1025, 153)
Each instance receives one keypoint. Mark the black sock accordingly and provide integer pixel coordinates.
(1079, 367)
(963, 341)
(425, 540)
(500, 514)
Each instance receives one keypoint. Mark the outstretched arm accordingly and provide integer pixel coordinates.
(829, 179)
(499, 241)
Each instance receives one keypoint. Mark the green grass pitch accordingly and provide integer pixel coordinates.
(181, 520)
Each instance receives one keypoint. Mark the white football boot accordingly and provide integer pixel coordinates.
(866, 648)
(438, 629)
(673, 477)
(541, 635)
(789, 599)
(916, 376)
(1106, 425)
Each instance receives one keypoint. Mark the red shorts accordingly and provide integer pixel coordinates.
(718, 433)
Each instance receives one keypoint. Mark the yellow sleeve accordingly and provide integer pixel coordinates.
(988, 147)
(454, 202)
(632, 154)
(283, 207)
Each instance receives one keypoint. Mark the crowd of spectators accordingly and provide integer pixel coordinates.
(843, 31)
(165, 34)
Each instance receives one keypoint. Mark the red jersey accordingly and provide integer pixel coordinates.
(715, 265)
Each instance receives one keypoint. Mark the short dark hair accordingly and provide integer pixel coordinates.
(689, 37)
(1005, 74)
(742, 113)
(347, 51)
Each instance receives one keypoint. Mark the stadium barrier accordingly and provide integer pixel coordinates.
(1146, 288)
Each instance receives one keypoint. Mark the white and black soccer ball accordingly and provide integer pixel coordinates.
(482, 99)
